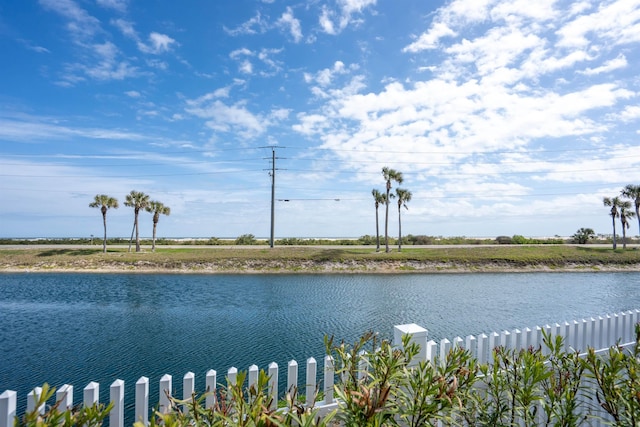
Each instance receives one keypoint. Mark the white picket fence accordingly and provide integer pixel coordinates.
(599, 333)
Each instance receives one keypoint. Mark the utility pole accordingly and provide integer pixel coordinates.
(273, 194)
(272, 174)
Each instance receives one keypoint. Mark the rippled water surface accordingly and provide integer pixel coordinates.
(76, 328)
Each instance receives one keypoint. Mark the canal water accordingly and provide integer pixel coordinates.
(77, 328)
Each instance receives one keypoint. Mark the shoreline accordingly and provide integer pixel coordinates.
(329, 267)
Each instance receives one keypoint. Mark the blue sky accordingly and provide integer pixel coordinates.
(503, 117)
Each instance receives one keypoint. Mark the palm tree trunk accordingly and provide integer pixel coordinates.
(638, 216)
(399, 231)
(137, 233)
(377, 232)
(132, 231)
(386, 220)
(153, 242)
(104, 241)
(614, 234)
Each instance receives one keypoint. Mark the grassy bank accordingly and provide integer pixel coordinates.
(322, 259)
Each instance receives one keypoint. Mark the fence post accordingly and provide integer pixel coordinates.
(445, 348)
(516, 339)
(311, 381)
(116, 393)
(91, 394)
(631, 325)
(8, 404)
(576, 334)
(329, 375)
(253, 376)
(65, 396)
(550, 333)
(418, 335)
(471, 344)
(211, 384)
(568, 337)
(599, 332)
(142, 400)
(494, 341)
(188, 388)
(165, 390)
(32, 399)
(505, 340)
(483, 342)
(273, 384)
(292, 378)
(458, 342)
(617, 326)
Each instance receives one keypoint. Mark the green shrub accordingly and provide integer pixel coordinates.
(246, 239)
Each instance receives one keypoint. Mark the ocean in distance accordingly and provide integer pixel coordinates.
(76, 328)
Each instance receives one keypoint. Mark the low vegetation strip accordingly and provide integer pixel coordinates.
(306, 259)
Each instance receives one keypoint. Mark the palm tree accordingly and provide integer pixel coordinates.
(633, 192)
(403, 196)
(389, 175)
(136, 200)
(104, 202)
(156, 208)
(614, 202)
(379, 198)
(625, 214)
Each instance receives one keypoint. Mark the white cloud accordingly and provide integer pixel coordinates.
(429, 40)
(287, 20)
(240, 52)
(630, 113)
(324, 78)
(126, 28)
(264, 56)
(133, 94)
(617, 22)
(42, 129)
(119, 5)
(619, 62)
(81, 25)
(235, 118)
(158, 43)
(255, 25)
(325, 21)
(246, 67)
(345, 15)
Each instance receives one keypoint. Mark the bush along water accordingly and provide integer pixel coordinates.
(378, 384)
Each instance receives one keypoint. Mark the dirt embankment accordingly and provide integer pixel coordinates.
(258, 266)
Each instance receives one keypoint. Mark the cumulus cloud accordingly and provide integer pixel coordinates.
(158, 43)
(288, 21)
(483, 96)
(334, 21)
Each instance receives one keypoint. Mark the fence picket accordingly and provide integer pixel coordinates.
(165, 390)
(188, 388)
(292, 377)
(8, 405)
(310, 390)
(211, 384)
(142, 400)
(64, 395)
(273, 385)
(116, 394)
